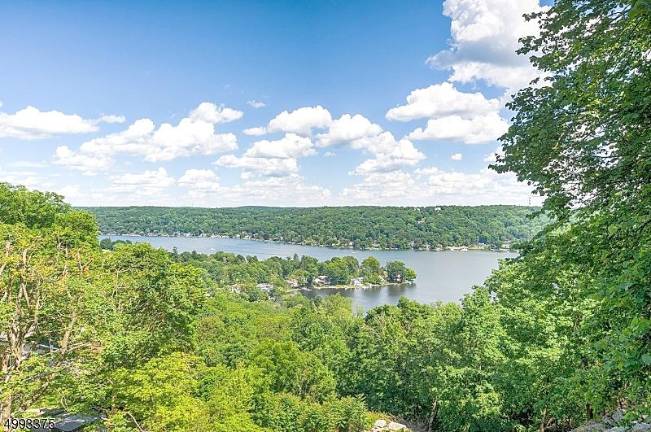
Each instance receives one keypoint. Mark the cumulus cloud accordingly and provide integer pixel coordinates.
(389, 155)
(194, 134)
(203, 189)
(266, 158)
(145, 183)
(440, 100)
(456, 156)
(483, 187)
(260, 167)
(433, 186)
(290, 146)
(300, 121)
(275, 191)
(86, 163)
(475, 130)
(483, 48)
(32, 123)
(200, 180)
(208, 112)
(381, 188)
(112, 119)
(27, 178)
(360, 133)
(256, 104)
(470, 118)
(348, 128)
(485, 37)
(255, 131)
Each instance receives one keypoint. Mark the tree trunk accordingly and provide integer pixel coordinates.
(432, 416)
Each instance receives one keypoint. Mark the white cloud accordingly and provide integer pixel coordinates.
(146, 183)
(260, 167)
(380, 188)
(88, 164)
(484, 187)
(275, 191)
(348, 128)
(389, 157)
(485, 37)
(200, 180)
(301, 120)
(29, 179)
(266, 158)
(32, 123)
(361, 134)
(290, 146)
(329, 154)
(256, 104)
(440, 100)
(187, 138)
(28, 164)
(194, 134)
(204, 190)
(433, 186)
(476, 130)
(255, 131)
(112, 119)
(470, 118)
(456, 156)
(70, 193)
(208, 112)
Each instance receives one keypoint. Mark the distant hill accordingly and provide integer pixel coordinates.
(358, 227)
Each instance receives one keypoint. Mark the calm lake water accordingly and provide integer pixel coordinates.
(441, 276)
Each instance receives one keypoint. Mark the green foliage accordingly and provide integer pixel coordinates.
(371, 271)
(156, 341)
(33, 209)
(576, 304)
(340, 270)
(290, 370)
(398, 272)
(160, 345)
(359, 227)
(244, 273)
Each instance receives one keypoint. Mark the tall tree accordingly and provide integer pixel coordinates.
(581, 136)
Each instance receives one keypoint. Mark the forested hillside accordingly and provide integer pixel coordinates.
(359, 227)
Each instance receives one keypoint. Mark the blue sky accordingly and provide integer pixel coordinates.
(260, 102)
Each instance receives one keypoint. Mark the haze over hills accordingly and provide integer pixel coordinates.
(357, 227)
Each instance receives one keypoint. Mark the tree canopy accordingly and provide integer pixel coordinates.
(358, 227)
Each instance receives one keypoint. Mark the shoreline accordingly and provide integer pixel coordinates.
(472, 248)
(354, 287)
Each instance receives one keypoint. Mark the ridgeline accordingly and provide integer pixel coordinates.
(350, 227)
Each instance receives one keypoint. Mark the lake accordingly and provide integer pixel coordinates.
(441, 276)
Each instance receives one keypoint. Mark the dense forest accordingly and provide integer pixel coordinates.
(357, 227)
(145, 339)
(149, 340)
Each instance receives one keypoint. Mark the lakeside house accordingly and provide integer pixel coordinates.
(321, 280)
